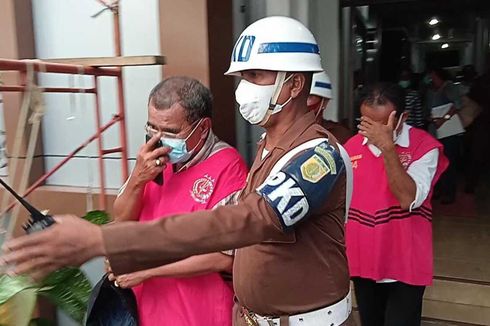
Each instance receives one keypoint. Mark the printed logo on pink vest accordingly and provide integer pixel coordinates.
(405, 159)
(202, 189)
(354, 159)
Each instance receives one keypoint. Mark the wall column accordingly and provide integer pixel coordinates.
(197, 39)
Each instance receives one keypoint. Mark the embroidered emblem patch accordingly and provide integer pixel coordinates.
(324, 150)
(202, 189)
(314, 169)
(405, 159)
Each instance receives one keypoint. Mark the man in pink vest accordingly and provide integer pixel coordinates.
(199, 172)
(389, 231)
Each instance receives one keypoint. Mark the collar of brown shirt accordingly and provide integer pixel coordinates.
(295, 131)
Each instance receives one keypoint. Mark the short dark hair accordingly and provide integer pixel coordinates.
(382, 93)
(193, 96)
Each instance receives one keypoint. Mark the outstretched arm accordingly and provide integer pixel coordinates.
(192, 266)
(284, 200)
(133, 246)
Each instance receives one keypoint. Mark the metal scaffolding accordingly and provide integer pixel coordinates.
(96, 67)
(22, 66)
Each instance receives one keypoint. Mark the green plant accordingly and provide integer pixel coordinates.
(68, 288)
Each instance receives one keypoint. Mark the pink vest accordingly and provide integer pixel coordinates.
(201, 300)
(383, 240)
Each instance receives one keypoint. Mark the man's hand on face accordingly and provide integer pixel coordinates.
(71, 241)
(150, 161)
(378, 134)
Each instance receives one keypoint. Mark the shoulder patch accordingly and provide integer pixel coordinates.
(324, 151)
(314, 169)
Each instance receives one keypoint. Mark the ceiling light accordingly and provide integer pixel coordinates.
(444, 46)
(433, 21)
(435, 37)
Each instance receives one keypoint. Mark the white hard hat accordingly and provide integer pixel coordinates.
(275, 43)
(321, 85)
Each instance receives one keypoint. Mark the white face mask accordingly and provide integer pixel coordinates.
(257, 102)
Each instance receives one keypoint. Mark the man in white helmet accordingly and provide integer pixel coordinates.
(291, 265)
(320, 95)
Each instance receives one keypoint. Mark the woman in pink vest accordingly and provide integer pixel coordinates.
(183, 168)
(389, 231)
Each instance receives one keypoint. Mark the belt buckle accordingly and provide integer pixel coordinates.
(249, 317)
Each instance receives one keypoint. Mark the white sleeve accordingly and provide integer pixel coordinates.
(123, 187)
(422, 172)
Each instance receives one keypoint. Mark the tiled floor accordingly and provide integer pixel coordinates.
(461, 234)
(462, 247)
(461, 287)
(439, 323)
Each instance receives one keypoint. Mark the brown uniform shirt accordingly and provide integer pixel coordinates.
(275, 273)
(341, 133)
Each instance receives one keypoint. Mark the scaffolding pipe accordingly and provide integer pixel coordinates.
(122, 130)
(120, 92)
(112, 150)
(45, 176)
(100, 146)
(41, 66)
(18, 88)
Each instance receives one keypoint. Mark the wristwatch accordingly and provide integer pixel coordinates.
(447, 117)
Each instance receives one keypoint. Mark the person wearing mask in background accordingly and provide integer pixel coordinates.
(416, 115)
(389, 229)
(320, 96)
(290, 267)
(442, 92)
(199, 172)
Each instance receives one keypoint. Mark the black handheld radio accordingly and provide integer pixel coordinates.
(38, 220)
(159, 178)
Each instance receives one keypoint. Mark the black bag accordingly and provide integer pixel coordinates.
(110, 305)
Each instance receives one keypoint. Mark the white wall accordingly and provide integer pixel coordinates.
(324, 23)
(64, 28)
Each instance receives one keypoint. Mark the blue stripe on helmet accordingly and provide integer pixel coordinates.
(291, 47)
(323, 85)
